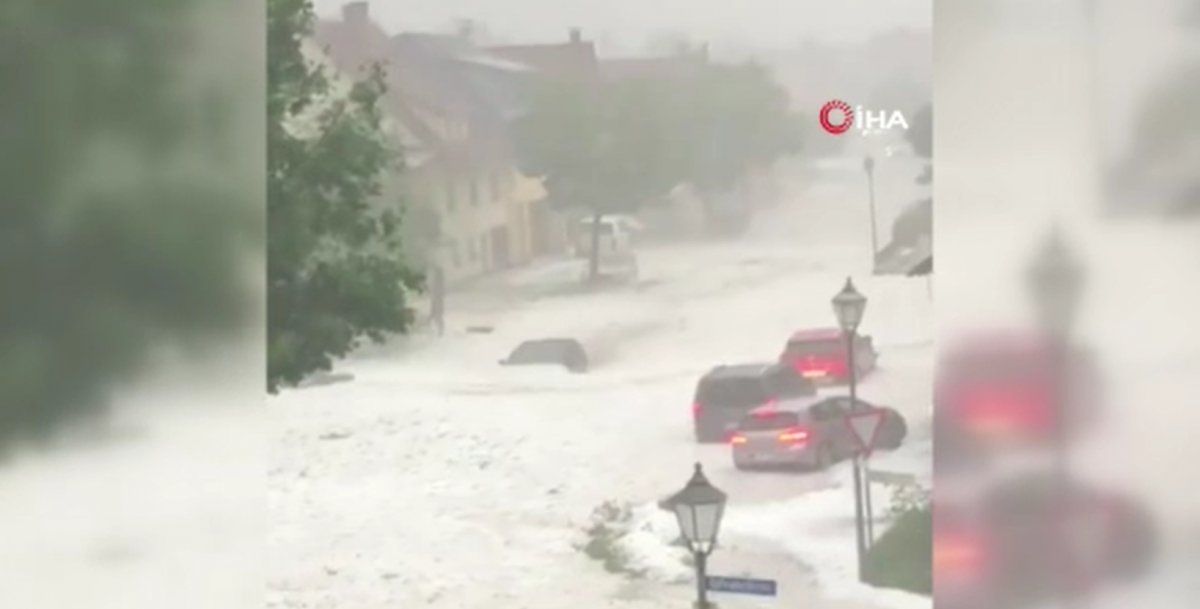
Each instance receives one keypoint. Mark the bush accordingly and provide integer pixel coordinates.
(902, 558)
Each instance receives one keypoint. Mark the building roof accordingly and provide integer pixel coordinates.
(568, 60)
(652, 67)
(436, 84)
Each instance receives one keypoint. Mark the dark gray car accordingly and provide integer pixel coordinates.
(565, 352)
(726, 393)
(811, 434)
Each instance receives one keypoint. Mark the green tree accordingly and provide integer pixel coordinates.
(615, 146)
(127, 212)
(604, 149)
(728, 119)
(335, 269)
(920, 132)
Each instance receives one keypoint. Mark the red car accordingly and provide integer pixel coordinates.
(1031, 540)
(1004, 389)
(820, 355)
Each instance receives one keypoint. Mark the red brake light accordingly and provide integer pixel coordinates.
(766, 411)
(963, 554)
(696, 408)
(793, 435)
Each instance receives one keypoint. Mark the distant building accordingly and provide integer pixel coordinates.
(572, 60)
(452, 103)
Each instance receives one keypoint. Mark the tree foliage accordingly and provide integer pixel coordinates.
(727, 119)
(920, 132)
(336, 271)
(126, 218)
(611, 147)
(614, 145)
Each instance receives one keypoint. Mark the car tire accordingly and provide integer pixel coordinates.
(894, 431)
(824, 459)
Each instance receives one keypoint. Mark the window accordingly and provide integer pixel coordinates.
(786, 383)
(769, 422)
(497, 186)
(731, 392)
(816, 347)
(826, 411)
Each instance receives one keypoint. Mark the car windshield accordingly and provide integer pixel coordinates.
(760, 421)
(733, 392)
(814, 347)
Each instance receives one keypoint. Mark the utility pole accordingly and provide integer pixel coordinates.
(869, 167)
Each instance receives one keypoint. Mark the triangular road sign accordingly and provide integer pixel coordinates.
(864, 427)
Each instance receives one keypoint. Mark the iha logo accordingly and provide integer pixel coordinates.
(837, 117)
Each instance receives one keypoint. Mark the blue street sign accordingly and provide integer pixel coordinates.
(741, 585)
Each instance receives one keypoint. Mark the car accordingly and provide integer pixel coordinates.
(820, 355)
(1014, 546)
(807, 433)
(616, 257)
(566, 352)
(998, 390)
(726, 393)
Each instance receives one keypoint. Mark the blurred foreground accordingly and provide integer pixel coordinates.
(130, 357)
(1065, 304)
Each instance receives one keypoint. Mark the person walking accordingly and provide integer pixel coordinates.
(437, 292)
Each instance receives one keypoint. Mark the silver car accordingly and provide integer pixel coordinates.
(810, 433)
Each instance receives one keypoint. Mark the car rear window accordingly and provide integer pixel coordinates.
(735, 392)
(784, 382)
(814, 347)
(769, 422)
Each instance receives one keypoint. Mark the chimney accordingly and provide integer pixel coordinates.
(356, 15)
(576, 35)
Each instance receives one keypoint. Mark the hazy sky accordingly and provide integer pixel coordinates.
(629, 24)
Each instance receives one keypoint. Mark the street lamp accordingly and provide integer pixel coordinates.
(699, 508)
(849, 306)
(869, 167)
(1055, 282)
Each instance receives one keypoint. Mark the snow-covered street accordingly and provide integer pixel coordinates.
(437, 478)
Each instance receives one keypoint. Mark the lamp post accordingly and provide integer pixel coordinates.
(849, 306)
(869, 167)
(1055, 281)
(699, 508)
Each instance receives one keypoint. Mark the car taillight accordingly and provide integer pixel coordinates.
(793, 435)
(696, 408)
(958, 555)
(1008, 413)
(737, 438)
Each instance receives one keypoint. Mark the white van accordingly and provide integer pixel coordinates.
(616, 244)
